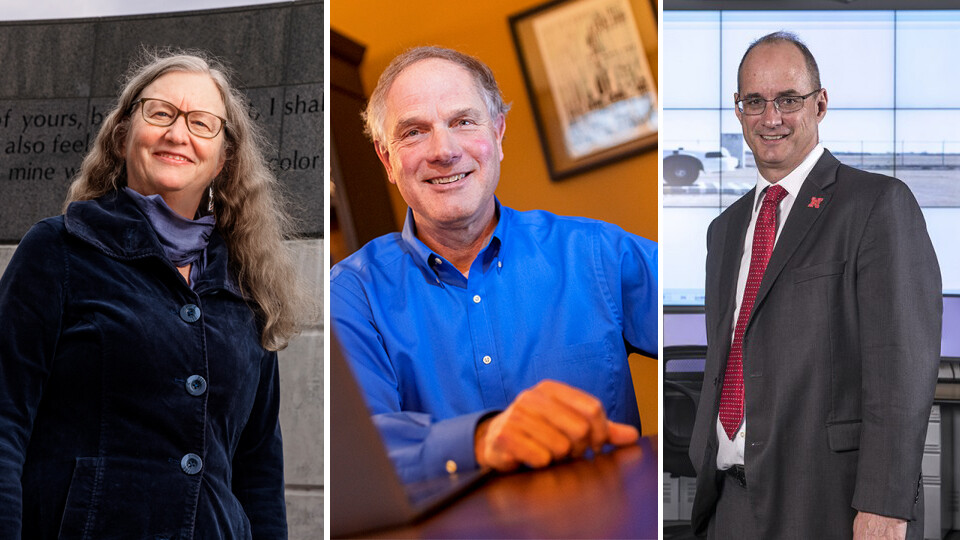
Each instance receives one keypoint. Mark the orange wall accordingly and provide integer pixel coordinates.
(624, 193)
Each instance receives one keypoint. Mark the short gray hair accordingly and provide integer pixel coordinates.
(374, 116)
(783, 36)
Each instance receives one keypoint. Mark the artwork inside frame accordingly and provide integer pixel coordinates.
(590, 85)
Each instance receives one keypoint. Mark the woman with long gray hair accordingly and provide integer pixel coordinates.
(139, 392)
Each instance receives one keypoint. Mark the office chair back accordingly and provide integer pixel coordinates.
(682, 382)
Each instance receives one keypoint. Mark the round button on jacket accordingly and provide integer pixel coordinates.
(196, 385)
(190, 313)
(191, 463)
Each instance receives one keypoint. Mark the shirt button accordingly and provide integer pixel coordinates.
(487, 359)
(437, 261)
(499, 264)
(476, 299)
(451, 466)
(743, 434)
(190, 313)
(191, 464)
(196, 385)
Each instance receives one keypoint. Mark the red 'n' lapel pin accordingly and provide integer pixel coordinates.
(815, 202)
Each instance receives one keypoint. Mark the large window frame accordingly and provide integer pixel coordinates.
(880, 118)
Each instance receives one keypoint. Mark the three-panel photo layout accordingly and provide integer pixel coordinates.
(362, 269)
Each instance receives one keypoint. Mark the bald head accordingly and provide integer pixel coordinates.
(781, 38)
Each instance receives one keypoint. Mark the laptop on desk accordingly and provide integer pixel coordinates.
(365, 492)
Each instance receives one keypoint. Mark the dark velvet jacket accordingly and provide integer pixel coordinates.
(130, 405)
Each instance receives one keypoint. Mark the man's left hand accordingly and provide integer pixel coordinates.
(867, 525)
(548, 422)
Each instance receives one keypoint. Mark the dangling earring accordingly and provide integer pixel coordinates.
(210, 200)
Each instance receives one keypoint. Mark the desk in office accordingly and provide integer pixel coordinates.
(613, 495)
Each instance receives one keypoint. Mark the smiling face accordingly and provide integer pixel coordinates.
(442, 148)
(171, 161)
(779, 141)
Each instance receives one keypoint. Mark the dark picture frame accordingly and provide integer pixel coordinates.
(593, 96)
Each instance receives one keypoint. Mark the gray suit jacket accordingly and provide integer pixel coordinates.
(840, 357)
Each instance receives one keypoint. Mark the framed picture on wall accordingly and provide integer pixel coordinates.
(586, 72)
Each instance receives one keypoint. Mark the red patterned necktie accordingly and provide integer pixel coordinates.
(764, 235)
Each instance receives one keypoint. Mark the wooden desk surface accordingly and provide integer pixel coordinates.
(613, 495)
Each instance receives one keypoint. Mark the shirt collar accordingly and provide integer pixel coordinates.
(437, 269)
(791, 182)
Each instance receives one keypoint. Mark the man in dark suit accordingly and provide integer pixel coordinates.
(823, 313)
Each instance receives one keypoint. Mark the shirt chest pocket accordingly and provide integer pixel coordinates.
(587, 366)
(818, 271)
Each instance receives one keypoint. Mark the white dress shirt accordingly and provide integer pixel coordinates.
(730, 452)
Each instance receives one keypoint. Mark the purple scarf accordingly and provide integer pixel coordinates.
(184, 241)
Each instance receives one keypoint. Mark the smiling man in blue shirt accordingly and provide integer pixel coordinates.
(483, 336)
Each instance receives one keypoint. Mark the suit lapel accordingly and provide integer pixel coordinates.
(805, 212)
(732, 250)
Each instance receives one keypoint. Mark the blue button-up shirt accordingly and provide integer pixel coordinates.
(549, 296)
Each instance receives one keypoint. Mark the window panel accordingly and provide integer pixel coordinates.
(683, 252)
(693, 75)
(927, 67)
(928, 156)
(891, 80)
